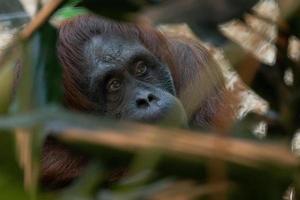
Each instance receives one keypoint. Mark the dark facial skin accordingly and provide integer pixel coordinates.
(129, 82)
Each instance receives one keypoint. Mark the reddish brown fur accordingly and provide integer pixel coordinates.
(198, 81)
(74, 33)
(60, 165)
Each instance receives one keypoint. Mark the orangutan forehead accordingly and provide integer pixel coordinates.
(110, 49)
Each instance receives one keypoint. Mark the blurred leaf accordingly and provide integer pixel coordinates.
(86, 186)
(67, 11)
(56, 118)
(38, 86)
(7, 75)
(41, 73)
(24, 98)
(70, 12)
(11, 177)
(6, 79)
(141, 169)
(142, 192)
(49, 71)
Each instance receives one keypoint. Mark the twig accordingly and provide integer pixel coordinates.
(29, 29)
(185, 143)
(40, 18)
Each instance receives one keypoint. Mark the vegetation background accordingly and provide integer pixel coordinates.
(163, 163)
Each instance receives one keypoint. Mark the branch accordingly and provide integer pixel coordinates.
(183, 143)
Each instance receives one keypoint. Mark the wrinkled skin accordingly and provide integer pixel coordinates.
(126, 81)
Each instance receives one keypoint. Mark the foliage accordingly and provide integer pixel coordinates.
(159, 171)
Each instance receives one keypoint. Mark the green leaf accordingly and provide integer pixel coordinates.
(68, 11)
(49, 69)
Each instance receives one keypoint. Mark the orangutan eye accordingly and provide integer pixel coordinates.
(114, 85)
(141, 68)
